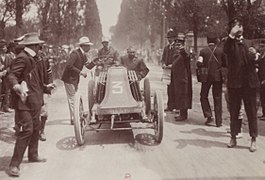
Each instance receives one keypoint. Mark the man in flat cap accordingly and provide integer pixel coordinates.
(242, 81)
(27, 79)
(73, 70)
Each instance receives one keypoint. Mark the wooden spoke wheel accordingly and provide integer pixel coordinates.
(158, 118)
(79, 120)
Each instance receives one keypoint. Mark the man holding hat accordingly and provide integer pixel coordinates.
(242, 81)
(27, 79)
(73, 70)
(166, 61)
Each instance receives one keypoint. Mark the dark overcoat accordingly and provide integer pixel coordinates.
(182, 82)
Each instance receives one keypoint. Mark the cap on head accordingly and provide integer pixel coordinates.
(31, 39)
(212, 38)
(181, 37)
(171, 33)
(85, 41)
(105, 39)
(234, 20)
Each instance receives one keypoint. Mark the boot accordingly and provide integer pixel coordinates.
(253, 146)
(42, 134)
(232, 142)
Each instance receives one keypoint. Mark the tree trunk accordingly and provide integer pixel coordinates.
(19, 22)
(2, 29)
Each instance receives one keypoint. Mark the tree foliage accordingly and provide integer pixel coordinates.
(252, 13)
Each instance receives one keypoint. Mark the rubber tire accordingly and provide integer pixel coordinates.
(78, 127)
(147, 95)
(91, 97)
(159, 116)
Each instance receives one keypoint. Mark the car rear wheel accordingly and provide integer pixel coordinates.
(158, 116)
(147, 95)
(91, 100)
(79, 120)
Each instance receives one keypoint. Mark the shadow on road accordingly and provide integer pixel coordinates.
(182, 143)
(7, 135)
(203, 132)
(58, 122)
(5, 160)
(146, 139)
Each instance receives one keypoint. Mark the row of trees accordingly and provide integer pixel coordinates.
(58, 21)
(142, 21)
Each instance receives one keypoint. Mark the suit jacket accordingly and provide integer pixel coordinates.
(214, 62)
(241, 66)
(167, 56)
(135, 64)
(74, 66)
(33, 71)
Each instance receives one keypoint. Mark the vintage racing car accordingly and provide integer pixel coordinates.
(116, 98)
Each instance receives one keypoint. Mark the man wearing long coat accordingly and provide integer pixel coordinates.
(182, 82)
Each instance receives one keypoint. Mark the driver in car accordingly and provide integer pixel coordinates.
(132, 62)
(107, 55)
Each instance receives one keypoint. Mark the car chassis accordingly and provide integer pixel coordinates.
(117, 99)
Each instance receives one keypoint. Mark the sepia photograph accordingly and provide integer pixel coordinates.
(132, 89)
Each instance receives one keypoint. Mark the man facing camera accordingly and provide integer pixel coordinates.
(242, 81)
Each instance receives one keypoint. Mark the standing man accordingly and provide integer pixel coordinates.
(5, 63)
(27, 74)
(242, 81)
(73, 71)
(166, 61)
(212, 58)
(181, 79)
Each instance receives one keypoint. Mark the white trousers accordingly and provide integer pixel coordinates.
(70, 92)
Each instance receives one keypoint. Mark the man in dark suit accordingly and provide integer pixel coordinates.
(242, 81)
(27, 79)
(73, 71)
(166, 61)
(212, 58)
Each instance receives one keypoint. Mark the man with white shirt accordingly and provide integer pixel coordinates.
(27, 79)
(73, 70)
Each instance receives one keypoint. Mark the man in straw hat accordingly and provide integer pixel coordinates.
(26, 72)
(73, 71)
